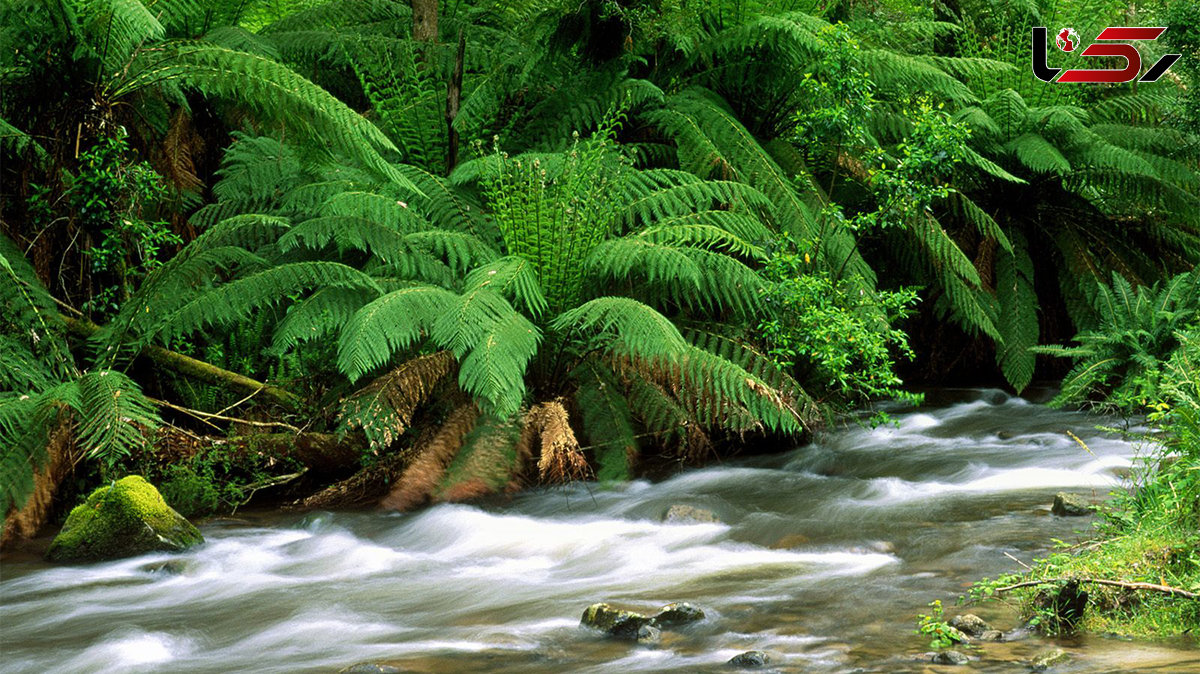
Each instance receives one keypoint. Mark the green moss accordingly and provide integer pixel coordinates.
(127, 518)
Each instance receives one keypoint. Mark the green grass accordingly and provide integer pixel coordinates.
(1147, 553)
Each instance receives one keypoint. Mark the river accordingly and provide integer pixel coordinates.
(823, 556)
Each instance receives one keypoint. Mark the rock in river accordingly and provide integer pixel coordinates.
(125, 519)
(621, 624)
(1048, 659)
(1070, 505)
(686, 514)
(750, 660)
(970, 624)
(673, 615)
(950, 658)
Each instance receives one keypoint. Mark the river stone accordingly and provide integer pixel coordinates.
(992, 635)
(1070, 505)
(950, 658)
(750, 659)
(681, 613)
(125, 519)
(615, 622)
(970, 624)
(1048, 659)
(683, 514)
(648, 634)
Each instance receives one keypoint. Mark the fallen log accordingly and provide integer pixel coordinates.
(195, 368)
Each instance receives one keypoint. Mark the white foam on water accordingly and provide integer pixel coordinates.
(130, 651)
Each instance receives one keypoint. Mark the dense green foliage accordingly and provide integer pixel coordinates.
(567, 235)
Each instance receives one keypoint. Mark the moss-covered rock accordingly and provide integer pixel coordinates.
(126, 519)
(674, 615)
(615, 622)
(1071, 505)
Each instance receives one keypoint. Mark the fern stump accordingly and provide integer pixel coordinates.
(123, 520)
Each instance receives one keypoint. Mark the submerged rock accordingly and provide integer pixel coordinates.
(1048, 659)
(125, 519)
(970, 624)
(750, 659)
(992, 635)
(648, 634)
(1070, 505)
(618, 623)
(950, 658)
(682, 514)
(370, 668)
(673, 615)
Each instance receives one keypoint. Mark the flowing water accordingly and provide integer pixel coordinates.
(823, 555)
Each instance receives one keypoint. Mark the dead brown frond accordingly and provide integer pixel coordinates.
(362, 489)
(180, 146)
(985, 263)
(561, 459)
(698, 446)
(384, 408)
(485, 465)
(422, 476)
(524, 451)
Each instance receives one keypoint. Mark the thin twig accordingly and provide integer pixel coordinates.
(1023, 564)
(252, 394)
(1166, 589)
(209, 415)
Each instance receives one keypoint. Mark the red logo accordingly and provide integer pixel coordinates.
(1068, 40)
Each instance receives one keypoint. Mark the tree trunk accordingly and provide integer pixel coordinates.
(62, 455)
(425, 20)
(453, 97)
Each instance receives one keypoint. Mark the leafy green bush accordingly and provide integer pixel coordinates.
(190, 493)
(832, 335)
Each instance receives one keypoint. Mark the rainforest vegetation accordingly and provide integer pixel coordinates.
(357, 251)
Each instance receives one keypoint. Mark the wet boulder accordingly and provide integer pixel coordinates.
(674, 615)
(970, 624)
(950, 658)
(1070, 505)
(992, 635)
(750, 660)
(124, 519)
(686, 514)
(1047, 659)
(621, 624)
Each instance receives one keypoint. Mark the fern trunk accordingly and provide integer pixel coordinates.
(425, 20)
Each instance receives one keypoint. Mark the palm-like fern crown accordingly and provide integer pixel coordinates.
(575, 286)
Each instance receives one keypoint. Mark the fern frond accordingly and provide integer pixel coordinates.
(607, 421)
(235, 300)
(273, 92)
(1018, 319)
(389, 324)
(624, 324)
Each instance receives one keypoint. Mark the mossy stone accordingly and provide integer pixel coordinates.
(125, 519)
